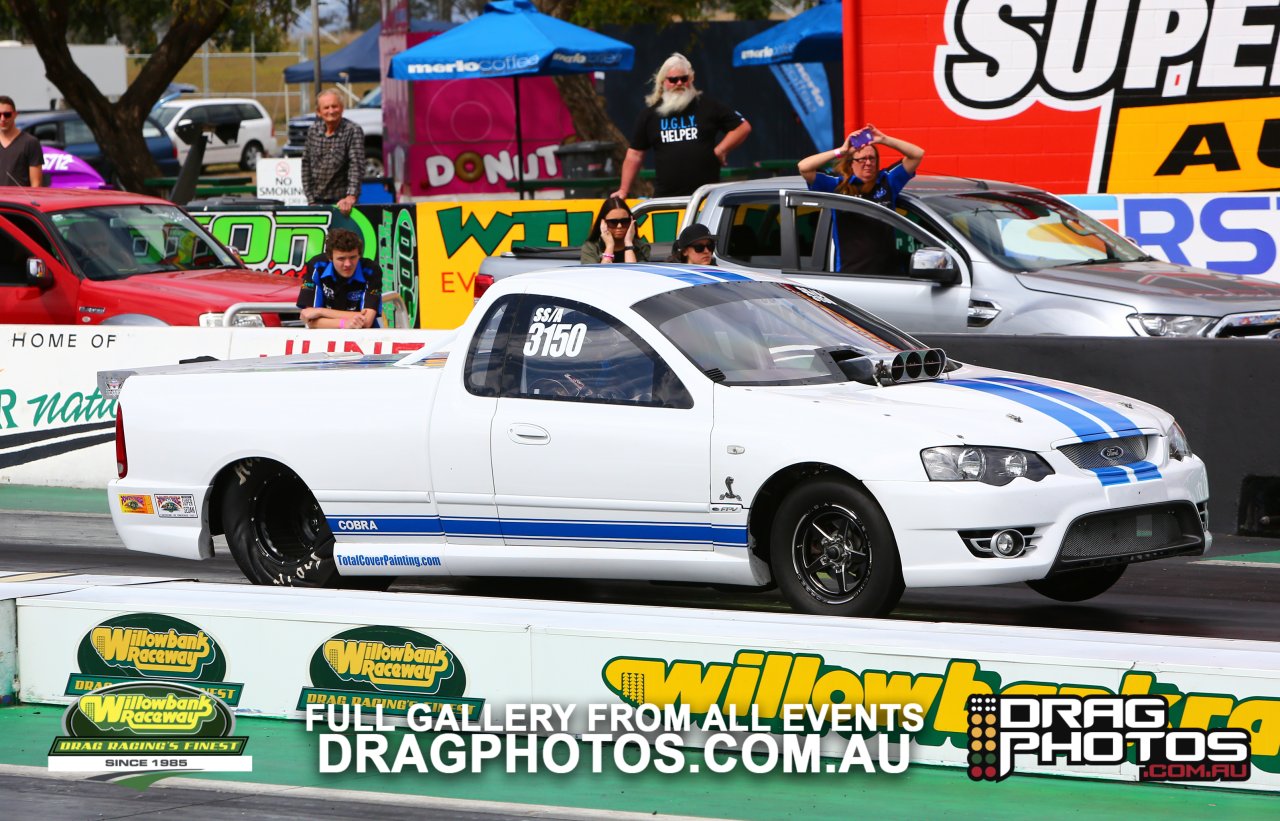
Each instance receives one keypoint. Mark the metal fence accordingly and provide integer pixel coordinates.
(227, 74)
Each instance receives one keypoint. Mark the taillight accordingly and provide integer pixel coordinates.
(122, 457)
(483, 282)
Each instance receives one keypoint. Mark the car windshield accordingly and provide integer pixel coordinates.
(768, 333)
(164, 114)
(118, 241)
(1028, 231)
(371, 100)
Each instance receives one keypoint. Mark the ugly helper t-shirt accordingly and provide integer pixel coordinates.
(684, 144)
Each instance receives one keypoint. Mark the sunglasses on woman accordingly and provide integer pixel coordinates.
(703, 247)
(621, 222)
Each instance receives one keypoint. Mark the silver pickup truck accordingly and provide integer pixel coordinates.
(970, 256)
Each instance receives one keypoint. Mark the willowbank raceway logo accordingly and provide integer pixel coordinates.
(151, 646)
(140, 731)
(389, 668)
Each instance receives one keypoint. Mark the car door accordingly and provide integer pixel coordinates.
(458, 434)
(910, 300)
(20, 301)
(595, 442)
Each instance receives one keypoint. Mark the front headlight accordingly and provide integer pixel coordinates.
(215, 320)
(1170, 324)
(1179, 448)
(992, 466)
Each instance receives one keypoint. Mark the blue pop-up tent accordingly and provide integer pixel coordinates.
(512, 39)
(795, 51)
(358, 60)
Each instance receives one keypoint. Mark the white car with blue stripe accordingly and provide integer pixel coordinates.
(656, 422)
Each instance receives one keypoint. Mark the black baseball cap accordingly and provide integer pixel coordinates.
(693, 234)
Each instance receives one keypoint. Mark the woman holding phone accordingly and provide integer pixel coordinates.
(613, 238)
(861, 245)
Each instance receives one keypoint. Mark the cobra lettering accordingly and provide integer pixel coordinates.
(403, 665)
(151, 652)
(1003, 55)
(357, 524)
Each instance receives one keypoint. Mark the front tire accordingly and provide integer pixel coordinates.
(1079, 585)
(833, 553)
(277, 532)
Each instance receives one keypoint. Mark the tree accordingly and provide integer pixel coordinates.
(172, 30)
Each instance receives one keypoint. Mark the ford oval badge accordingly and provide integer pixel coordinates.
(1113, 453)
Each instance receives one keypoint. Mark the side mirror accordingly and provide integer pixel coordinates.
(38, 274)
(935, 265)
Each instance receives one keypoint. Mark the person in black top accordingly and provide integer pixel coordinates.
(683, 127)
(21, 158)
(341, 290)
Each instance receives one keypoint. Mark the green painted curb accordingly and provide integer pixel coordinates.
(53, 499)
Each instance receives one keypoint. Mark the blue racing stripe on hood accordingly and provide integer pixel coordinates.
(693, 276)
(1080, 425)
(1110, 417)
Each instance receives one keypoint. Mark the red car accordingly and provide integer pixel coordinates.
(111, 257)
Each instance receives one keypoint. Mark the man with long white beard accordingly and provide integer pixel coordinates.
(683, 127)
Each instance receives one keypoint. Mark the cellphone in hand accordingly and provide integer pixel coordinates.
(860, 138)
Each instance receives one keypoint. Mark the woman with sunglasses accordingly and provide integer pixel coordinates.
(613, 238)
(695, 246)
(863, 246)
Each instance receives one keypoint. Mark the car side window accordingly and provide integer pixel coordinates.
(45, 132)
(870, 243)
(248, 111)
(483, 369)
(753, 231)
(561, 350)
(76, 131)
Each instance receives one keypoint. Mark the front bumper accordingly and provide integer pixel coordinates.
(927, 518)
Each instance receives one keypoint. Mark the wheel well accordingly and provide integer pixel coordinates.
(764, 507)
(223, 480)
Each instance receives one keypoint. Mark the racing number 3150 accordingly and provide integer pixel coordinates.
(554, 339)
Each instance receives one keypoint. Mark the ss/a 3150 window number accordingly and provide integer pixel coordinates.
(550, 336)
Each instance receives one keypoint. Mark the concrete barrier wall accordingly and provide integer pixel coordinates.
(57, 429)
(271, 651)
(1222, 392)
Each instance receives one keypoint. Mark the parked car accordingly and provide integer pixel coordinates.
(666, 423)
(256, 138)
(67, 130)
(974, 256)
(74, 257)
(367, 114)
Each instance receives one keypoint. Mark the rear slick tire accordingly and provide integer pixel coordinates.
(278, 534)
(833, 552)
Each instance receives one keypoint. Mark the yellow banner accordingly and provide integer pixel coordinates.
(1232, 145)
(454, 237)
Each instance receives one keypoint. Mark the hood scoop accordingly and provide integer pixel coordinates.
(887, 369)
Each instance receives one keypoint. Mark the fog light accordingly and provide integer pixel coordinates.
(1008, 544)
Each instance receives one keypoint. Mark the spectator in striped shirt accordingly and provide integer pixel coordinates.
(333, 158)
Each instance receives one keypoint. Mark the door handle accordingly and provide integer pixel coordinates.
(525, 434)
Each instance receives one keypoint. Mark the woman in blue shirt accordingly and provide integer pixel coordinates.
(863, 246)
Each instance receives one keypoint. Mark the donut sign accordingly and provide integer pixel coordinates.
(466, 135)
(1080, 96)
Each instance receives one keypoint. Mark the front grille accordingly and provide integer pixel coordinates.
(1089, 455)
(298, 134)
(1132, 535)
(1248, 325)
